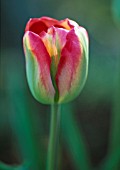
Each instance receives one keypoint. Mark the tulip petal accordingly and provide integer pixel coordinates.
(37, 25)
(38, 68)
(49, 21)
(54, 40)
(72, 71)
(83, 38)
(61, 37)
(68, 24)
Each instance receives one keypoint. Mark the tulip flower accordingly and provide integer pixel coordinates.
(56, 55)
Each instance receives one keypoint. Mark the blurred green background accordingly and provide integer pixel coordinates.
(90, 125)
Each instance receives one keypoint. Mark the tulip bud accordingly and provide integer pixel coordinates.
(56, 59)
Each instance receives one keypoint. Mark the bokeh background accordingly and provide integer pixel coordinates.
(90, 125)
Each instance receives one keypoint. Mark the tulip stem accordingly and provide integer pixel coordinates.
(54, 137)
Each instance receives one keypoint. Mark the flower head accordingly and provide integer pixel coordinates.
(56, 59)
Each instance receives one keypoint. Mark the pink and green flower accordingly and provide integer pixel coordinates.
(56, 59)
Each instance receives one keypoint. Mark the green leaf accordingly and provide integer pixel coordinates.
(4, 166)
(74, 140)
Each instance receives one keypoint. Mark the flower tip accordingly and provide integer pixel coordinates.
(26, 39)
(26, 35)
(84, 31)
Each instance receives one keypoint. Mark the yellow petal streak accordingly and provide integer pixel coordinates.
(51, 43)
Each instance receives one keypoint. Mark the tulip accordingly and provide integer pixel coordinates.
(56, 55)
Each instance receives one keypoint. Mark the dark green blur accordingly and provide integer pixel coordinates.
(90, 125)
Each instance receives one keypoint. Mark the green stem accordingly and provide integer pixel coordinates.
(54, 136)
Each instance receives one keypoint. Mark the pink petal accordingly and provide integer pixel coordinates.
(68, 67)
(36, 46)
(37, 25)
(49, 21)
(54, 40)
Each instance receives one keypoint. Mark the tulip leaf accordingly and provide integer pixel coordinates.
(112, 161)
(114, 140)
(116, 10)
(74, 140)
(23, 121)
(4, 166)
